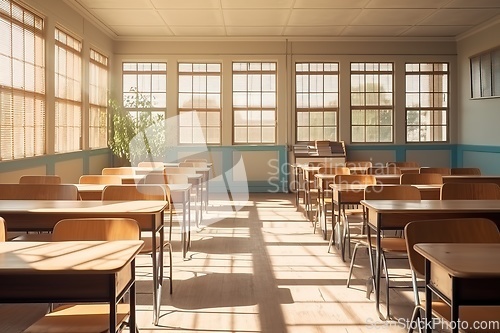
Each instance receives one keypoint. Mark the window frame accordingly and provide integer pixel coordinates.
(434, 73)
(249, 71)
(183, 110)
(101, 62)
(491, 68)
(377, 107)
(323, 109)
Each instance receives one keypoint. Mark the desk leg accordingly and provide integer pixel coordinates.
(378, 264)
(428, 298)
(133, 321)
(184, 229)
(200, 187)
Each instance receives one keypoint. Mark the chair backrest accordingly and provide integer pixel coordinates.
(186, 164)
(355, 179)
(441, 171)
(118, 171)
(407, 164)
(96, 229)
(3, 230)
(149, 164)
(334, 171)
(466, 171)
(460, 230)
(470, 191)
(195, 160)
(392, 170)
(100, 179)
(324, 164)
(161, 178)
(361, 164)
(38, 192)
(181, 170)
(40, 179)
(421, 178)
(392, 192)
(135, 192)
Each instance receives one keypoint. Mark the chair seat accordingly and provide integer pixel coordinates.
(79, 318)
(43, 237)
(148, 244)
(388, 244)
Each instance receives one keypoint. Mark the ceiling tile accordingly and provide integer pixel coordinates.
(370, 30)
(201, 17)
(406, 3)
(129, 17)
(473, 4)
(117, 4)
(460, 16)
(314, 17)
(238, 4)
(391, 16)
(314, 31)
(436, 31)
(199, 31)
(183, 4)
(127, 30)
(330, 3)
(254, 31)
(255, 17)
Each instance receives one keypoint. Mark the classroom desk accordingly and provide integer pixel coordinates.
(42, 215)
(70, 272)
(180, 193)
(395, 214)
(352, 194)
(461, 274)
(394, 179)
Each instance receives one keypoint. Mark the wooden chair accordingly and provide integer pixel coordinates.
(470, 191)
(144, 192)
(3, 230)
(383, 170)
(100, 179)
(407, 164)
(441, 171)
(195, 160)
(466, 171)
(149, 164)
(118, 171)
(459, 230)
(325, 202)
(361, 164)
(348, 213)
(40, 179)
(389, 245)
(421, 178)
(88, 318)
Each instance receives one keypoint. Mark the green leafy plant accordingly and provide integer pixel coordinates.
(137, 135)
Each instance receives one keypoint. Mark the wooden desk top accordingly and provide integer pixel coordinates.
(422, 206)
(100, 187)
(81, 206)
(75, 257)
(464, 260)
(361, 187)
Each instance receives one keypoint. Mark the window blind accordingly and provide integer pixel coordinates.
(22, 82)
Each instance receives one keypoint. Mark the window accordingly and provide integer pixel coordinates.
(254, 102)
(426, 102)
(317, 101)
(372, 104)
(98, 100)
(145, 90)
(22, 82)
(199, 103)
(68, 92)
(485, 74)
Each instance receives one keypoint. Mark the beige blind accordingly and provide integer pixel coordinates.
(98, 99)
(68, 92)
(22, 82)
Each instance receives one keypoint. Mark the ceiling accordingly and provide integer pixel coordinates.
(301, 19)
